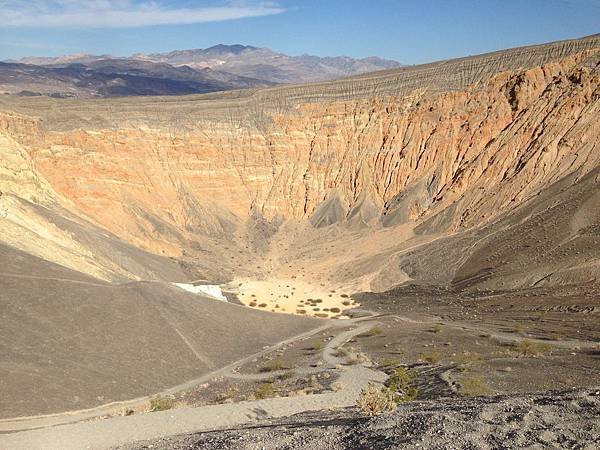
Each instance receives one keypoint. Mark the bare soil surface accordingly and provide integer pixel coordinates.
(551, 420)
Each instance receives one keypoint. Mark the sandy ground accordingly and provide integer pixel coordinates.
(313, 272)
(293, 296)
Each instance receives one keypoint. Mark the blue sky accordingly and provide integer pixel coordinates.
(410, 31)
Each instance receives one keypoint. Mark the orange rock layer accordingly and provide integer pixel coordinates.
(481, 151)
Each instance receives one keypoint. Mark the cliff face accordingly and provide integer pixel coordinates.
(451, 160)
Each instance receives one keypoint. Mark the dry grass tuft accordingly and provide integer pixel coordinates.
(431, 356)
(474, 387)
(375, 400)
(531, 348)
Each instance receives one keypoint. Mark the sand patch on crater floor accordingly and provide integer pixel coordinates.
(294, 296)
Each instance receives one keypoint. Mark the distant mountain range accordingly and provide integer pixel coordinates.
(265, 64)
(218, 68)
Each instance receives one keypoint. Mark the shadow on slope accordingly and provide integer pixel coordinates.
(551, 240)
(69, 341)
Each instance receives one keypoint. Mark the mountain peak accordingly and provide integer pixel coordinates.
(236, 49)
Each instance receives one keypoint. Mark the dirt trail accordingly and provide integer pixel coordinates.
(117, 431)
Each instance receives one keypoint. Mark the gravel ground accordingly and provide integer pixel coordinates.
(551, 420)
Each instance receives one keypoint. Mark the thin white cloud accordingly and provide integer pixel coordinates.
(123, 13)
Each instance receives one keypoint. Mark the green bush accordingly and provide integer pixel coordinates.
(389, 362)
(160, 403)
(400, 384)
(265, 390)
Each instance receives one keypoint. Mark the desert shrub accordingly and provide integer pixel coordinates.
(273, 366)
(346, 303)
(389, 362)
(160, 403)
(531, 348)
(288, 374)
(432, 356)
(262, 305)
(375, 400)
(474, 387)
(265, 390)
(318, 345)
(321, 315)
(436, 328)
(335, 310)
(400, 384)
(469, 359)
(401, 377)
(375, 331)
